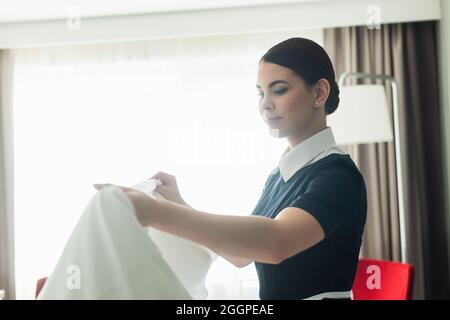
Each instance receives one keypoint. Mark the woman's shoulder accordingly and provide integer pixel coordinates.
(339, 174)
(339, 163)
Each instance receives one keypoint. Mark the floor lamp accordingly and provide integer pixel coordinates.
(363, 117)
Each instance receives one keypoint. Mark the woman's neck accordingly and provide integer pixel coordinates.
(302, 136)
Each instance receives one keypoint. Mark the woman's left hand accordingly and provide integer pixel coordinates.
(145, 206)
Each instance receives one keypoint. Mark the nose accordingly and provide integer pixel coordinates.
(267, 105)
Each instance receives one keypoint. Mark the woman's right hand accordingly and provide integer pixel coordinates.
(169, 187)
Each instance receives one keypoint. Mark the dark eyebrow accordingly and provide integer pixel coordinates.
(273, 83)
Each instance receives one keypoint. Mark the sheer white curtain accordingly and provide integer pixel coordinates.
(6, 178)
(121, 112)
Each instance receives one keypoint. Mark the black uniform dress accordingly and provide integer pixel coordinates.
(333, 191)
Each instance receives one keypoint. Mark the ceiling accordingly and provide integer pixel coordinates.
(32, 10)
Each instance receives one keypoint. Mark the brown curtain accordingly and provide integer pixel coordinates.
(408, 52)
(6, 177)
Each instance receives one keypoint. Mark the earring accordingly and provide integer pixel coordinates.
(317, 102)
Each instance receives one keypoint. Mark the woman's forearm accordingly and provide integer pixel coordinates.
(251, 237)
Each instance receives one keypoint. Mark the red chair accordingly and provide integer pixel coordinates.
(39, 285)
(383, 280)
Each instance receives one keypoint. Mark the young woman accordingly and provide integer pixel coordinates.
(305, 232)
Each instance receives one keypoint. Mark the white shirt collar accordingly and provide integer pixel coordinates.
(294, 159)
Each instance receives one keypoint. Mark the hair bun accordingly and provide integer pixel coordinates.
(333, 98)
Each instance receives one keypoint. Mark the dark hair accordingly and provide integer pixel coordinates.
(310, 61)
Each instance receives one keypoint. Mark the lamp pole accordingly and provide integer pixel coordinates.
(398, 156)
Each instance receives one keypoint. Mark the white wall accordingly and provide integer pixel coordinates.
(290, 16)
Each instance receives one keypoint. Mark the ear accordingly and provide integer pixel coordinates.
(321, 92)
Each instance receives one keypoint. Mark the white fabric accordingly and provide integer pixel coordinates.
(117, 259)
(189, 260)
(312, 149)
(332, 295)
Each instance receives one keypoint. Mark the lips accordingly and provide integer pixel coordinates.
(273, 119)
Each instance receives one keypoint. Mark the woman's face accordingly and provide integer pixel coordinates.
(284, 98)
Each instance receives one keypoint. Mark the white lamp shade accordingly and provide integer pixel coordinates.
(362, 115)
